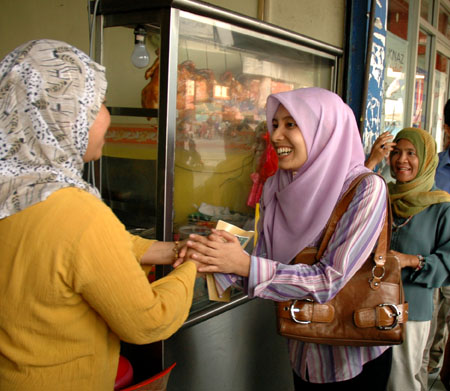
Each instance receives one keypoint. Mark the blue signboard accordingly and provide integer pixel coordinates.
(373, 104)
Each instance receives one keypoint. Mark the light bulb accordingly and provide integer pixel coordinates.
(140, 57)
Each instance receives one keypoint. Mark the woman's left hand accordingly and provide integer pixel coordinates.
(220, 252)
(406, 260)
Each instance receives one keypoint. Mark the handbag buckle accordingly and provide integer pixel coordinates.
(394, 315)
(293, 310)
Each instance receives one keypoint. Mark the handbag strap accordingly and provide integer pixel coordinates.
(384, 239)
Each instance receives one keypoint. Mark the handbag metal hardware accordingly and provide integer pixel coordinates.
(293, 310)
(382, 274)
(374, 277)
(394, 315)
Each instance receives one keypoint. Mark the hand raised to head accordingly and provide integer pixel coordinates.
(381, 148)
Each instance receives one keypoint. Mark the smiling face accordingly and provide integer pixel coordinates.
(288, 141)
(404, 161)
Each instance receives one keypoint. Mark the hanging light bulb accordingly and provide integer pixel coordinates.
(140, 57)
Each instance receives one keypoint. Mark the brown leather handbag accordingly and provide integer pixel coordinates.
(369, 310)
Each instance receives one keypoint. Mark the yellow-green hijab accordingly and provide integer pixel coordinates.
(411, 198)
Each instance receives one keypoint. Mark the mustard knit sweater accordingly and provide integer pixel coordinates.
(70, 288)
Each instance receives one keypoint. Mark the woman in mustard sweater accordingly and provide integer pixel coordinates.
(70, 281)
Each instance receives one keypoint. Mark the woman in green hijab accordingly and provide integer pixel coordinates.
(421, 241)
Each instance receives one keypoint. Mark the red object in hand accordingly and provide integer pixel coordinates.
(268, 165)
(124, 375)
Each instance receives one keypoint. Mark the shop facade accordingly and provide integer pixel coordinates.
(416, 78)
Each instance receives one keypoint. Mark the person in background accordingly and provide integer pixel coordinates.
(445, 372)
(319, 153)
(443, 169)
(421, 241)
(434, 352)
(71, 285)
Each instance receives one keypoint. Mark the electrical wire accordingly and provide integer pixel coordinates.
(91, 22)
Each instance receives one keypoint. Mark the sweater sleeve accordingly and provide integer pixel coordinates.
(352, 242)
(436, 271)
(140, 245)
(108, 277)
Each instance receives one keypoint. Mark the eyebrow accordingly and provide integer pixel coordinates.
(287, 117)
(405, 149)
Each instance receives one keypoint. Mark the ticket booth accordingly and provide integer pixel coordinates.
(184, 151)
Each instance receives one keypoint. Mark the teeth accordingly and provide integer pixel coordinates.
(283, 151)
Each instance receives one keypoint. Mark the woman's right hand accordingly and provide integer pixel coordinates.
(220, 252)
(186, 252)
(381, 148)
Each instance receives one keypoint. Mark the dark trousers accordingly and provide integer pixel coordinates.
(374, 377)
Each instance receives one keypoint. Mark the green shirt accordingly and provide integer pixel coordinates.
(427, 234)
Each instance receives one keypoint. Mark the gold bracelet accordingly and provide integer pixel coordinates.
(176, 250)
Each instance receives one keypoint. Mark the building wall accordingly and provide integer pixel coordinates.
(67, 20)
(24, 20)
(323, 20)
(302, 16)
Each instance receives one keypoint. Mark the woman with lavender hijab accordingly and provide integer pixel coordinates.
(320, 153)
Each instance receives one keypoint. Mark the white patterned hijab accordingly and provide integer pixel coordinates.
(50, 94)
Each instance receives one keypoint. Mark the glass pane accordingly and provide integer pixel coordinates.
(440, 98)
(129, 162)
(426, 10)
(225, 74)
(394, 84)
(129, 173)
(443, 25)
(422, 77)
(398, 18)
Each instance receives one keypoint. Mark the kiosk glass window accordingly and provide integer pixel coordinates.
(129, 162)
(225, 74)
(208, 125)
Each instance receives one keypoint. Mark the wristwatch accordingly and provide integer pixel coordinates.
(421, 263)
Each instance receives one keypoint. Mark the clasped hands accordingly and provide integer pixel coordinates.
(220, 252)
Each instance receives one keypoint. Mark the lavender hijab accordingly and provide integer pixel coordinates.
(297, 208)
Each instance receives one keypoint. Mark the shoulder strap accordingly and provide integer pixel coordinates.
(385, 235)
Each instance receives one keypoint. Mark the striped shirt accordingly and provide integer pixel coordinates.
(352, 242)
